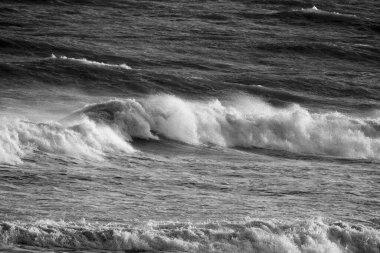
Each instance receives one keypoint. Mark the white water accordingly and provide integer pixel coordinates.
(251, 236)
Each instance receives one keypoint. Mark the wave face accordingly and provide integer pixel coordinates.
(244, 122)
(84, 139)
(251, 236)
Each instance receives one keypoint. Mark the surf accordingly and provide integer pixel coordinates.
(244, 236)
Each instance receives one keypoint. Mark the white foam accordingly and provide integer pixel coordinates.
(245, 122)
(85, 139)
(88, 62)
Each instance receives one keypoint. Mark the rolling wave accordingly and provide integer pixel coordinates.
(249, 236)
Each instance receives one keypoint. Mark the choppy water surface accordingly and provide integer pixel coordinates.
(189, 126)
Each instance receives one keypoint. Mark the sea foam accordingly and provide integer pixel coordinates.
(95, 63)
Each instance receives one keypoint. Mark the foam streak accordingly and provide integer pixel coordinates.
(88, 62)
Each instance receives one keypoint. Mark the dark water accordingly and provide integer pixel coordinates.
(190, 126)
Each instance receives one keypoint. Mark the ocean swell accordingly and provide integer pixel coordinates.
(240, 122)
(250, 236)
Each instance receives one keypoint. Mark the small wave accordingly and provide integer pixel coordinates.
(316, 11)
(248, 236)
(84, 139)
(243, 122)
(320, 15)
(88, 62)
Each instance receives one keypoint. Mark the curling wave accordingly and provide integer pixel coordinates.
(84, 139)
(244, 122)
(250, 236)
(95, 63)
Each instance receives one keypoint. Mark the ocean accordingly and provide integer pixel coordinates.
(190, 126)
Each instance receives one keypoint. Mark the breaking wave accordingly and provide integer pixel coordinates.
(88, 62)
(244, 122)
(249, 236)
(85, 139)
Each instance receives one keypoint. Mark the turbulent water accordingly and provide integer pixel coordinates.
(190, 126)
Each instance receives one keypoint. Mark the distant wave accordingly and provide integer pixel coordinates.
(249, 236)
(88, 62)
(303, 16)
(242, 122)
(84, 139)
(314, 11)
